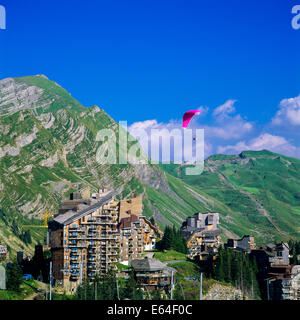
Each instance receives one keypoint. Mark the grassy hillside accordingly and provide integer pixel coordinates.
(261, 188)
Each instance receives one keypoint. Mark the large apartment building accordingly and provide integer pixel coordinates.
(89, 236)
(137, 234)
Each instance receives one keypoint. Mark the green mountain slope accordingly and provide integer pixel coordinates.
(261, 187)
(48, 148)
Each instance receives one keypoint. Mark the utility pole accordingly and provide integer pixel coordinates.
(50, 279)
(96, 290)
(252, 290)
(242, 286)
(182, 292)
(200, 293)
(117, 289)
(80, 273)
(268, 289)
(172, 286)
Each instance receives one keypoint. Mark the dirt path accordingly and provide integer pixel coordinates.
(259, 207)
(41, 286)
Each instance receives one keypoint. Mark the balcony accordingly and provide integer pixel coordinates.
(113, 253)
(73, 235)
(91, 274)
(164, 283)
(113, 246)
(77, 245)
(113, 261)
(91, 259)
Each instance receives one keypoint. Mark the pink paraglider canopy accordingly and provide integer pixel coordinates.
(187, 117)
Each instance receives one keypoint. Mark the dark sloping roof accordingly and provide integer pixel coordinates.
(71, 216)
(149, 264)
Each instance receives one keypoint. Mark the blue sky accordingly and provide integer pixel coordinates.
(148, 61)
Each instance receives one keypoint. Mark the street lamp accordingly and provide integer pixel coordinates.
(268, 292)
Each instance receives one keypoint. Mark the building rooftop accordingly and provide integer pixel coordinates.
(126, 222)
(71, 216)
(149, 264)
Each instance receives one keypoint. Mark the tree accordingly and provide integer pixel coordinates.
(131, 291)
(219, 266)
(236, 268)
(152, 220)
(156, 295)
(14, 278)
(172, 240)
(27, 237)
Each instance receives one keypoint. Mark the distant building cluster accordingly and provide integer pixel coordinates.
(90, 235)
(281, 280)
(202, 235)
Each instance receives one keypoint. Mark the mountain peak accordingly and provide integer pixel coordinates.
(42, 76)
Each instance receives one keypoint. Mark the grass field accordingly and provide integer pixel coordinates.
(169, 255)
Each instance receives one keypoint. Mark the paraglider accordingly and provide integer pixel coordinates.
(187, 117)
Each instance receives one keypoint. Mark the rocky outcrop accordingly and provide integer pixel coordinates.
(16, 96)
(221, 292)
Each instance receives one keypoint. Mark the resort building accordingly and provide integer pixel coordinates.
(90, 236)
(151, 274)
